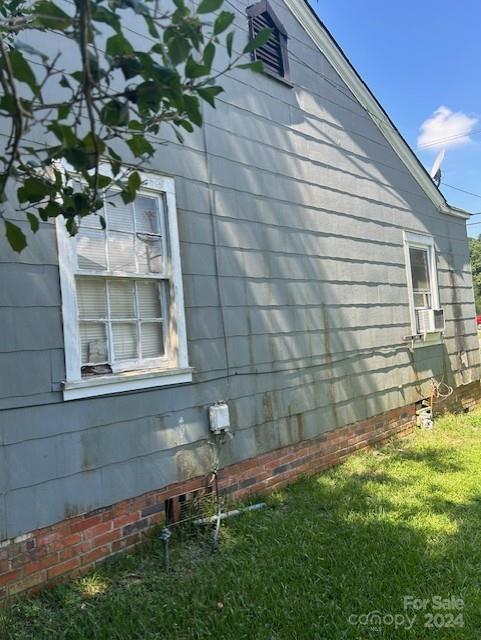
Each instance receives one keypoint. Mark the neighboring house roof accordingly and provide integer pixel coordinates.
(320, 35)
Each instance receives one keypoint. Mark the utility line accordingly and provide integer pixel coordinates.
(436, 142)
(470, 193)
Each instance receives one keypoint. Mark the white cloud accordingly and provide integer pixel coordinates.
(446, 128)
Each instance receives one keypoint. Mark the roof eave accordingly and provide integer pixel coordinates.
(460, 213)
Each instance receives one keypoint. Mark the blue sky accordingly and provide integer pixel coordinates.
(417, 56)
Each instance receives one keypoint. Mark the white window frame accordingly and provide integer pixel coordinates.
(421, 241)
(160, 371)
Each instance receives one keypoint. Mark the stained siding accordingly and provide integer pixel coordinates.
(291, 209)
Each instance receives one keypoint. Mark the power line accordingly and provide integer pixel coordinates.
(436, 142)
(469, 193)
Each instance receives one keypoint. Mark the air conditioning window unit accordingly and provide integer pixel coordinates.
(429, 320)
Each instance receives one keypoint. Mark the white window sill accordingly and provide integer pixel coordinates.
(122, 382)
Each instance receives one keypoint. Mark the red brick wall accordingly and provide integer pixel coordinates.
(73, 546)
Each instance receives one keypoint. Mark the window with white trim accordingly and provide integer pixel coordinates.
(420, 254)
(122, 297)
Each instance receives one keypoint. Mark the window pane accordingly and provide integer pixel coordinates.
(151, 340)
(422, 300)
(121, 216)
(93, 343)
(91, 250)
(121, 299)
(91, 297)
(419, 268)
(147, 215)
(148, 238)
(121, 252)
(149, 299)
(92, 221)
(124, 338)
(149, 253)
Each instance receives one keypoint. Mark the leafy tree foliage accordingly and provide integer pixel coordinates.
(110, 106)
(475, 254)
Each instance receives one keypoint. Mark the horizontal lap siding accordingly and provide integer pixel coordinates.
(291, 208)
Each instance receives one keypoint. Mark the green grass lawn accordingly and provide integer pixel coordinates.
(401, 521)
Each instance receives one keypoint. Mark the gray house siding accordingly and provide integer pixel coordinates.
(291, 209)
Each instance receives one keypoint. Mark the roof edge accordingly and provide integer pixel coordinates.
(321, 36)
(460, 213)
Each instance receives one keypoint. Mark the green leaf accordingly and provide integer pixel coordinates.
(223, 22)
(261, 38)
(21, 69)
(209, 94)
(178, 135)
(63, 111)
(92, 142)
(102, 14)
(118, 45)
(15, 236)
(115, 113)
(185, 124)
(151, 26)
(64, 134)
(63, 82)
(127, 196)
(50, 16)
(208, 56)
(33, 220)
(130, 66)
(42, 214)
(134, 181)
(80, 159)
(8, 104)
(52, 210)
(140, 146)
(192, 109)
(207, 6)
(115, 161)
(229, 41)
(32, 51)
(256, 66)
(148, 96)
(33, 190)
(102, 180)
(77, 75)
(72, 226)
(195, 70)
(179, 48)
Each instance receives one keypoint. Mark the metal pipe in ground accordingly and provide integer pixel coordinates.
(230, 514)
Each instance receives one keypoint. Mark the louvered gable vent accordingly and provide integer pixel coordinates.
(273, 53)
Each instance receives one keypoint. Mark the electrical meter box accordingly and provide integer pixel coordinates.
(219, 419)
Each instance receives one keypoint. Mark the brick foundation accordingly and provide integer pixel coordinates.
(73, 546)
